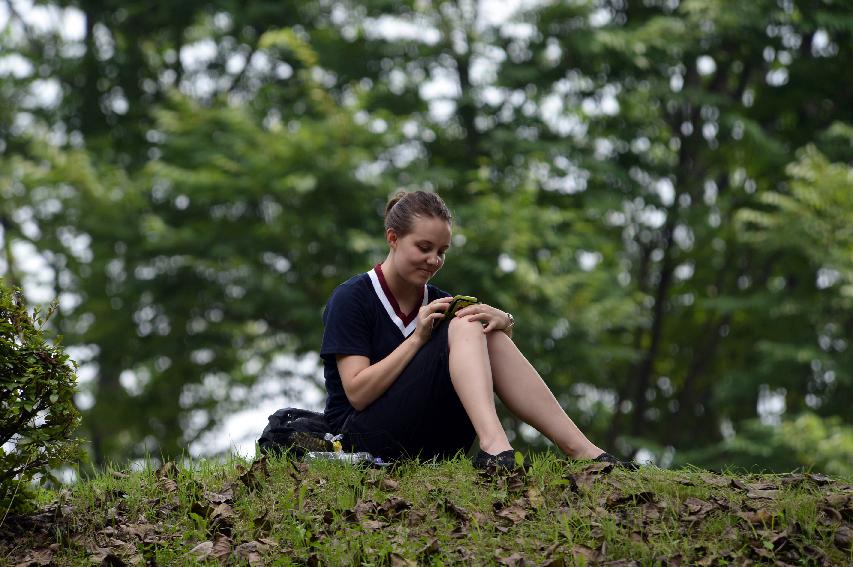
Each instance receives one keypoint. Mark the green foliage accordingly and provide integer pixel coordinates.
(812, 217)
(806, 441)
(37, 413)
(659, 191)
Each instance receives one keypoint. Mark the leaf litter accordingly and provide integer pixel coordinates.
(609, 518)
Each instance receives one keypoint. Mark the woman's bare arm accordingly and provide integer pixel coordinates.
(364, 382)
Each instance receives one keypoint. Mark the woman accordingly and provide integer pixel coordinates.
(401, 383)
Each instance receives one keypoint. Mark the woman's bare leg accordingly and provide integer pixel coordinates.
(527, 396)
(471, 375)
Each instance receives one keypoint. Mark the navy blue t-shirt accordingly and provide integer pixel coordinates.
(362, 317)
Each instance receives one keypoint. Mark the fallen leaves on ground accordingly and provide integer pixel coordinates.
(604, 502)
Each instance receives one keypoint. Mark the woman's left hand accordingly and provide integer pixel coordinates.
(491, 318)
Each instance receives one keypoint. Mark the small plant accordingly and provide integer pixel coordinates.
(37, 412)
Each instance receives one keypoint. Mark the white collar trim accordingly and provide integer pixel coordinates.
(389, 310)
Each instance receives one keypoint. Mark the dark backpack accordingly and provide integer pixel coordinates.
(297, 431)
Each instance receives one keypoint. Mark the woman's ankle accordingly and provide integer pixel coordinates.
(495, 446)
(585, 451)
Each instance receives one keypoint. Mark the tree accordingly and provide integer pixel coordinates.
(679, 116)
(37, 383)
(599, 157)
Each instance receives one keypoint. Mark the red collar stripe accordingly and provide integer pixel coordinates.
(406, 319)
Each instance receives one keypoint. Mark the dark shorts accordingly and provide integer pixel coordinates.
(419, 416)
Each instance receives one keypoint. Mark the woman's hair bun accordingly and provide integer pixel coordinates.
(395, 198)
(404, 206)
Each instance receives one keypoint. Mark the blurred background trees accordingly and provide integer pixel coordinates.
(659, 191)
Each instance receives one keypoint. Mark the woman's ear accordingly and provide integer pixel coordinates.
(391, 237)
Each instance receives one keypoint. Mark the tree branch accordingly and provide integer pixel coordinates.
(252, 50)
(11, 276)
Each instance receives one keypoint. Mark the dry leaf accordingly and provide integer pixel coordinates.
(837, 500)
(716, 480)
(534, 496)
(397, 560)
(589, 554)
(262, 523)
(222, 511)
(107, 557)
(431, 548)
(763, 485)
(516, 480)
(512, 513)
(202, 550)
(221, 547)
(762, 493)
(141, 531)
(844, 538)
(455, 510)
(167, 470)
(674, 561)
(761, 516)
(820, 479)
(590, 474)
(220, 519)
(389, 484)
(372, 525)
(514, 560)
(39, 557)
(615, 500)
(362, 509)
(696, 509)
(393, 507)
(225, 495)
(416, 518)
(253, 477)
(792, 478)
(167, 484)
(251, 552)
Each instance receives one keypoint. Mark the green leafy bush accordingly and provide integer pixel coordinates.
(37, 412)
(807, 441)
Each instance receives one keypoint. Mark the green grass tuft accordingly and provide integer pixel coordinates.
(278, 512)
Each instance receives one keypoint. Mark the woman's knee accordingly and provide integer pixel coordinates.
(462, 328)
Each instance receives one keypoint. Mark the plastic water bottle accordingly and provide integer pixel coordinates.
(352, 458)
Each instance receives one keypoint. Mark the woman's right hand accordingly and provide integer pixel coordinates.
(428, 316)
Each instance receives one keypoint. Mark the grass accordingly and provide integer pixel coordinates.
(278, 512)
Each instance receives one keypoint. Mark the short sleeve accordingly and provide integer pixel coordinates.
(436, 293)
(346, 324)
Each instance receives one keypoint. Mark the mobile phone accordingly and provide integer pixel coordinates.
(458, 302)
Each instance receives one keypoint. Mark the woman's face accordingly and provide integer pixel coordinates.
(420, 254)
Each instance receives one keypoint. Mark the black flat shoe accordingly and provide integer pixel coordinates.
(608, 458)
(504, 460)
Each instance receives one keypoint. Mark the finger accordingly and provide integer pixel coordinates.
(440, 300)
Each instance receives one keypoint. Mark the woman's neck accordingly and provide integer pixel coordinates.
(405, 294)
